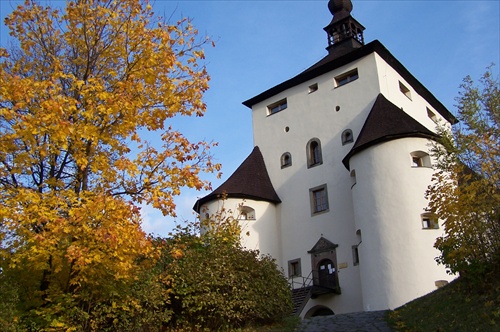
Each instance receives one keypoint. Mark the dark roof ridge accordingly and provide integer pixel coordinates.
(331, 62)
(249, 181)
(386, 122)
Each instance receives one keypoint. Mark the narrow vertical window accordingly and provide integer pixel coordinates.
(347, 136)
(353, 178)
(314, 155)
(286, 160)
(355, 255)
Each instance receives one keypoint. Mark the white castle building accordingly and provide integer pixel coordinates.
(334, 187)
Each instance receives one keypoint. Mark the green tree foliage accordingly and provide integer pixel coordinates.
(466, 186)
(219, 285)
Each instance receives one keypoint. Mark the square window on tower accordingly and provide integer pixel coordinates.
(277, 107)
(345, 78)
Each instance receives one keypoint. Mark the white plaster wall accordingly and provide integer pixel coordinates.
(396, 255)
(416, 107)
(261, 233)
(314, 115)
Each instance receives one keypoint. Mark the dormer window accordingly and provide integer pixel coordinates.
(345, 78)
(277, 107)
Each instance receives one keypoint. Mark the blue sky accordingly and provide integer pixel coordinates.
(259, 44)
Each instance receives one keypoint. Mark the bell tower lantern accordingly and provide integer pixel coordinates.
(344, 32)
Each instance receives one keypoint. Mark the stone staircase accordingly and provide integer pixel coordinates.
(300, 296)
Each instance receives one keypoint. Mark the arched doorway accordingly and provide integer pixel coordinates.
(324, 268)
(326, 273)
(319, 310)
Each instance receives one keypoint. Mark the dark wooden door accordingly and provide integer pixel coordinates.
(326, 273)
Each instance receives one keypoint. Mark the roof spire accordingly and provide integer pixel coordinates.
(344, 32)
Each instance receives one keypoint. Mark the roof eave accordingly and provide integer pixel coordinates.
(374, 46)
(383, 139)
(216, 197)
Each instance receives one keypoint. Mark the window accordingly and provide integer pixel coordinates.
(345, 78)
(246, 213)
(416, 162)
(420, 159)
(432, 115)
(277, 107)
(314, 156)
(347, 136)
(353, 178)
(286, 160)
(355, 255)
(429, 221)
(313, 88)
(294, 269)
(319, 199)
(404, 90)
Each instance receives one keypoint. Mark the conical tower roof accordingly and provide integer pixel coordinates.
(249, 181)
(387, 122)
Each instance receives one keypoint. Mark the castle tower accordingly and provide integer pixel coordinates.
(344, 148)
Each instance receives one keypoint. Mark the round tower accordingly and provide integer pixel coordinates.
(391, 172)
(249, 196)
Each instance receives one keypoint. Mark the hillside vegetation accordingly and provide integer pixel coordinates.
(466, 304)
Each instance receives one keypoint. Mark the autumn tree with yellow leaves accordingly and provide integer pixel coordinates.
(77, 92)
(465, 192)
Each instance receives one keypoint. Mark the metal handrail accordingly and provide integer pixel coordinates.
(302, 282)
(312, 279)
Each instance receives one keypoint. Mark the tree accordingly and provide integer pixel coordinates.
(466, 186)
(77, 93)
(216, 284)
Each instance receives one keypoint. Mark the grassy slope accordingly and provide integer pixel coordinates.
(459, 306)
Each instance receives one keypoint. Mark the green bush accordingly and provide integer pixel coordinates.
(218, 285)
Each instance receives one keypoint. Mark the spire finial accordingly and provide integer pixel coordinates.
(340, 8)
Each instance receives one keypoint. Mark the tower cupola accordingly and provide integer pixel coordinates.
(344, 32)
